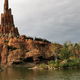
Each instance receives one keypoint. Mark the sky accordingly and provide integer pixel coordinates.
(55, 20)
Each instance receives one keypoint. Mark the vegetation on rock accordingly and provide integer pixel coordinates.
(66, 56)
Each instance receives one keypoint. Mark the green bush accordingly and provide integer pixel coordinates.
(74, 63)
(53, 63)
(65, 53)
(43, 66)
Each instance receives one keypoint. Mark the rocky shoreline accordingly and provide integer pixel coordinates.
(43, 54)
(22, 49)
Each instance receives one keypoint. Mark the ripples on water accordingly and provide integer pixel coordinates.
(21, 73)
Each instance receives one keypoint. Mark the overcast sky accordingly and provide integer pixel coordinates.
(55, 20)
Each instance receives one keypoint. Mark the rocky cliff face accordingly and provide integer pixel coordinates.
(16, 49)
(22, 49)
(8, 30)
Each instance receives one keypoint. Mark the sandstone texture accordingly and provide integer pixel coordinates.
(7, 26)
(22, 49)
(17, 49)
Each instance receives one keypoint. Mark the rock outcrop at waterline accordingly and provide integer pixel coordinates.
(22, 49)
(14, 48)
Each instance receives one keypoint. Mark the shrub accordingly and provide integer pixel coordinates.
(54, 63)
(43, 66)
(65, 53)
(74, 62)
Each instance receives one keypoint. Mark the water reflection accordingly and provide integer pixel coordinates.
(21, 73)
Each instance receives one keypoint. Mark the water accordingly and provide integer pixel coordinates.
(21, 73)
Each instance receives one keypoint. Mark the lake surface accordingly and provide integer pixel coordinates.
(21, 73)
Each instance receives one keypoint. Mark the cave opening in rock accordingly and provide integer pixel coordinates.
(17, 63)
(41, 58)
(30, 59)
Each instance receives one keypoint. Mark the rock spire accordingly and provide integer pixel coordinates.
(6, 5)
(7, 22)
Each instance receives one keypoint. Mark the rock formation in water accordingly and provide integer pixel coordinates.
(22, 49)
(14, 48)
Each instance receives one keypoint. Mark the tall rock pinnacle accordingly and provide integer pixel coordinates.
(7, 22)
(6, 5)
(7, 17)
